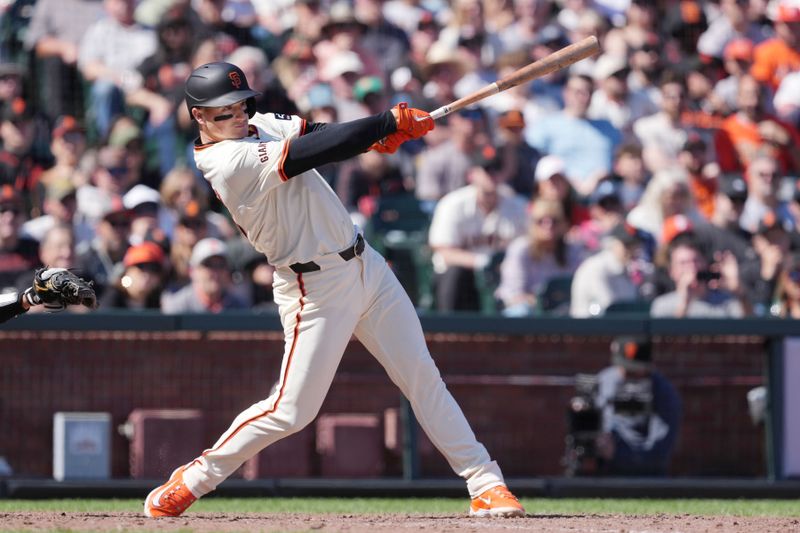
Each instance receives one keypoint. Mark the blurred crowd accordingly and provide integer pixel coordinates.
(660, 176)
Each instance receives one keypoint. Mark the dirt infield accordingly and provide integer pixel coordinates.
(50, 521)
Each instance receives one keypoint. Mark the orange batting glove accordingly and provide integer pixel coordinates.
(390, 143)
(414, 122)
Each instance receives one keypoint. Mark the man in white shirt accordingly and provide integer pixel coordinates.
(108, 56)
(470, 225)
(607, 276)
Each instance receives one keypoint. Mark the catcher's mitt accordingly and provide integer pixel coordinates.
(57, 288)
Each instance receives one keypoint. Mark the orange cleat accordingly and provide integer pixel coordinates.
(170, 499)
(497, 501)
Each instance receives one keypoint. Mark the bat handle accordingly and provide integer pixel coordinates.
(440, 112)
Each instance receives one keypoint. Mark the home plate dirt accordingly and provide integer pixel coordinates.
(50, 521)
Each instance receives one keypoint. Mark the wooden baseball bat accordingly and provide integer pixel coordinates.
(555, 61)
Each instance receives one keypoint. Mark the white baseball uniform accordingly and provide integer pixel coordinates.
(298, 220)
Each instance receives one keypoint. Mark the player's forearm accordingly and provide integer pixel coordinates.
(12, 305)
(328, 143)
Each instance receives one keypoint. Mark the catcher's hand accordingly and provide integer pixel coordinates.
(390, 143)
(414, 122)
(57, 288)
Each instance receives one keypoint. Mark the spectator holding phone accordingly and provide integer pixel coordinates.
(700, 290)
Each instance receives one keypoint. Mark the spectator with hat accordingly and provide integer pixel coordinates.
(59, 207)
(127, 137)
(776, 57)
(190, 227)
(641, 412)
(17, 254)
(551, 183)
(738, 58)
(443, 67)
(68, 146)
(110, 177)
(341, 71)
(520, 157)
(98, 258)
(144, 205)
(533, 259)
(23, 151)
(702, 173)
(772, 243)
(613, 100)
(210, 289)
(701, 289)
(369, 92)
(611, 275)
(470, 225)
(183, 193)
(139, 285)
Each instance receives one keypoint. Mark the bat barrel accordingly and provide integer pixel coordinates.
(556, 61)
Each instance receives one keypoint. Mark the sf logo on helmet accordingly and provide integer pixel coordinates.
(235, 79)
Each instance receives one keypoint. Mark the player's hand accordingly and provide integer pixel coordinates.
(414, 122)
(390, 143)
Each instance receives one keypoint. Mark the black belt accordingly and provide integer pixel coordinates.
(347, 254)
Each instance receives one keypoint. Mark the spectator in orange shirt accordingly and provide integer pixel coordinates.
(751, 130)
(776, 57)
(693, 158)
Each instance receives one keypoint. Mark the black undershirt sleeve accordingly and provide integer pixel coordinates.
(327, 143)
(11, 309)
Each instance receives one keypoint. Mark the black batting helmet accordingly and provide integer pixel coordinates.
(219, 84)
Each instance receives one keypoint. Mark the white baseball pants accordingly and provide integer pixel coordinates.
(320, 311)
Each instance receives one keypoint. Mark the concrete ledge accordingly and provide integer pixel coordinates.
(392, 487)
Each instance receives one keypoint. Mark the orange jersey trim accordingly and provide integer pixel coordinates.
(302, 127)
(282, 161)
(283, 377)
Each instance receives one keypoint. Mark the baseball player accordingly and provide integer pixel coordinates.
(55, 288)
(329, 283)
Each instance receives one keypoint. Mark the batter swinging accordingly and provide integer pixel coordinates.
(328, 284)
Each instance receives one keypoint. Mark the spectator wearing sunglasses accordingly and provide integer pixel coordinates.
(98, 258)
(139, 285)
(211, 287)
(533, 259)
(190, 228)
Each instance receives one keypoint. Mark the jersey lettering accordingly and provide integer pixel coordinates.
(262, 152)
(281, 116)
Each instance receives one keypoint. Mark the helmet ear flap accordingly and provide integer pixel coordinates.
(251, 106)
